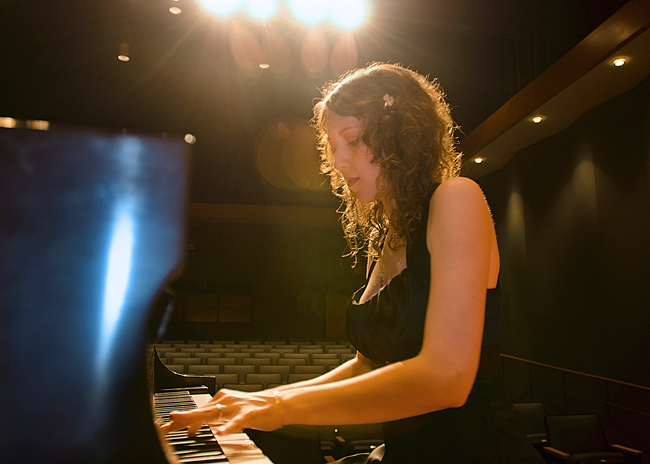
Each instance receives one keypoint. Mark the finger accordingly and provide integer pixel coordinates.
(193, 428)
(229, 427)
(181, 420)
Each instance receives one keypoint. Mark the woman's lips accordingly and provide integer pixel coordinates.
(351, 181)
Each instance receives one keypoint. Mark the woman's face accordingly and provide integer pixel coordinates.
(352, 157)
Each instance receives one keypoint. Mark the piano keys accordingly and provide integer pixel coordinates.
(205, 447)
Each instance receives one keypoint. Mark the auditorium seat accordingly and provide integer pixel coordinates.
(318, 370)
(221, 350)
(293, 377)
(204, 356)
(240, 356)
(257, 361)
(191, 350)
(284, 371)
(304, 356)
(221, 361)
(284, 349)
(200, 369)
(185, 345)
(264, 379)
(240, 370)
(581, 438)
(245, 387)
(272, 356)
(327, 363)
(179, 368)
(185, 361)
(226, 379)
(531, 417)
(291, 361)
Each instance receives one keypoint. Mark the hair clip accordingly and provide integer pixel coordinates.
(388, 100)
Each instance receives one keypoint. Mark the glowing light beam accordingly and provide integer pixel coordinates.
(348, 13)
(221, 7)
(261, 9)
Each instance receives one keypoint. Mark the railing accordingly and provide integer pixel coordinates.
(624, 407)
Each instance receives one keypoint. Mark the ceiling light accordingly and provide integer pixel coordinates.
(620, 61)
(189, 138)
(7, 122)
(348, 13)
(261, 9)
(123, 53)
(221, 7)
(309, 11)
(175, 10)
(478, 160)
(264, 66)
(537, 119)
(37, 124)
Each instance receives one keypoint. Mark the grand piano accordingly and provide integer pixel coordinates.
(92, 230)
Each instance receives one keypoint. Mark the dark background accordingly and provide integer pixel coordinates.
(571, 211)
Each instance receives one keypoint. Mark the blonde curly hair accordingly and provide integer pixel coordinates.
(410, 135)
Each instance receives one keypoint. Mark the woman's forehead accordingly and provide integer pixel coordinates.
(336, 123)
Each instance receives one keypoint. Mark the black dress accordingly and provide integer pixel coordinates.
(390, 327)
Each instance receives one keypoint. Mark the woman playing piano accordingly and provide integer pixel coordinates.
(426, 324)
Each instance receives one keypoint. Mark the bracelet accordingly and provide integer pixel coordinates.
(278, 406)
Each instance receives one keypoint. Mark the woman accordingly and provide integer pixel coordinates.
(426, 324)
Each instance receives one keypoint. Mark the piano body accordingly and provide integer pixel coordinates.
(91, 231)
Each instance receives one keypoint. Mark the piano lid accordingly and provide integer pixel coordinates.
(91, 229)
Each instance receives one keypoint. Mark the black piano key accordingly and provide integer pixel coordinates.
(201, 448)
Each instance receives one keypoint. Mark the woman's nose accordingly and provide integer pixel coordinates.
(340, 159)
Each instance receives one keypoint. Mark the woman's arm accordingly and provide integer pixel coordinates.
(460, 238)
(355, 366)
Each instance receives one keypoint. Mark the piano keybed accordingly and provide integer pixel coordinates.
(203, 447)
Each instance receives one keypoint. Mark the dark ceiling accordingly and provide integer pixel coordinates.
(58, 63)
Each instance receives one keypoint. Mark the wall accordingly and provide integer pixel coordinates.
(291, 271)
(573, 219)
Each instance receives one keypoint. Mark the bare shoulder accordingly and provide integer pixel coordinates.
(458, 192)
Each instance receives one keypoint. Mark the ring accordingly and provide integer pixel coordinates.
(220, 408)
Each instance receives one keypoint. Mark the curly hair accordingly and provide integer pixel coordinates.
(412, 139)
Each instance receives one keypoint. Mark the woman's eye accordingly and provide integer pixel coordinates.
(353, 143)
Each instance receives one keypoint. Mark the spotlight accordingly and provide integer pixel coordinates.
(175, 10)
(478, 160)
(309, 11)
(537, 119)
(123, 53)
(618, 62)
(8, 122)
(348, 13)
(221, 7)
(261, 9)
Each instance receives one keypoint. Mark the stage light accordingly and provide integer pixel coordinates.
(37, 124)
(309, 11)
(478, 160)
(123, 53)
(261, 9)
(537, 119)
(618, 62)
(221, 7)
(9, 123)
(348, 13)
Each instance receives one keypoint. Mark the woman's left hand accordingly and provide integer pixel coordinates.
(233, 411)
